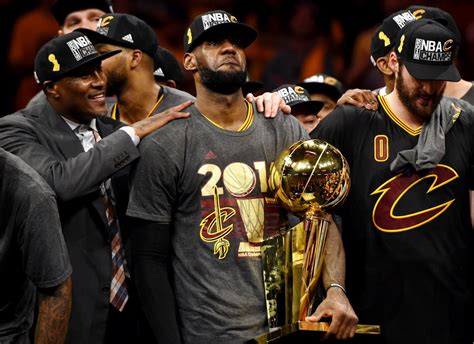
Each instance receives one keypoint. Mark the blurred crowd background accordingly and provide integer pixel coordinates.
(297, 38)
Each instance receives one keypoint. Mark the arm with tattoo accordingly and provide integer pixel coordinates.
(53, 315)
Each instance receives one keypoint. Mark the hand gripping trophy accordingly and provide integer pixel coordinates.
(308, 178)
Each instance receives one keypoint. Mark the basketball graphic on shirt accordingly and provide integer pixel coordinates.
(239, 180)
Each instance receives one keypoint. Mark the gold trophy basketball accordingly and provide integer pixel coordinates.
(308, 178)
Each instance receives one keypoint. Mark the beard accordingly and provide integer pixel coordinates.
(222, 82)
(409, 98)
(115, 83)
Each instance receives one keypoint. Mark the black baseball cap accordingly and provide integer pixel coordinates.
(124, 30)
(299, 99)
(427, 49)
(62, 8)
(64, 54)
(168, 67)
(217, 22)
(323, 83)
(437, 14)
(385, 35)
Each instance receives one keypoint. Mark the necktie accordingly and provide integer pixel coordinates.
(118, 288)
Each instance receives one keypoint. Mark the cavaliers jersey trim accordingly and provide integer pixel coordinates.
(247, 122)
(248, 119)
(397, 120)
(160, 98)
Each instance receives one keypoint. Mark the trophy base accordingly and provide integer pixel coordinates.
(311, 332)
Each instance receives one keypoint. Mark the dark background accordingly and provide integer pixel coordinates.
(296, 38)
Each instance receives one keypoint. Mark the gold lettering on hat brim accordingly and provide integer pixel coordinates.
(54, 61)
(418, 13)
(105, 21)
(190, 36)
(448, 45)
(400, 47)
(299, 89)
(384, 38)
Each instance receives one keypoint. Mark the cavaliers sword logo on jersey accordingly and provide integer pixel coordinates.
(394, 190)
(213, 228)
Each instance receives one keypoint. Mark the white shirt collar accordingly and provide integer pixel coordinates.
(73, 125)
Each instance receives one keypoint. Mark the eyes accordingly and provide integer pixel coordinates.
(215, 42)
(87, 72)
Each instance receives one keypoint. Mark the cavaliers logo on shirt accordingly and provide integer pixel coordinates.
(392, 192)
(235, 208)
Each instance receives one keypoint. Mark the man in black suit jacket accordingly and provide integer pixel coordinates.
(55, 139)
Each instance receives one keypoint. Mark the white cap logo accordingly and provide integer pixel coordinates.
(212, 19)
(81, 47)
(432, 51)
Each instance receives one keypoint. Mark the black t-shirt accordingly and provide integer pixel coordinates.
(407, 238)
(32, 248)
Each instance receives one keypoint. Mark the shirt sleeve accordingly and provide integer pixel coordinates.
(44, 254)
(332, 129)
(153, 184)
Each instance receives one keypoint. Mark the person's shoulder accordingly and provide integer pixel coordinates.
(177, 94)
(456, 105)
(171, 133)
(15, 167)
(19, 118)
(39, 98)
(351, 114)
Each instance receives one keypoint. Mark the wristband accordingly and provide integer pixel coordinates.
(336, 285)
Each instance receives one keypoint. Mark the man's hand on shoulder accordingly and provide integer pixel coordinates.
(343, 318)
(152, 123)
(269, 103)
(360, 98)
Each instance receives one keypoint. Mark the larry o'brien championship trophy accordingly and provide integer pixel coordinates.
(308, 178)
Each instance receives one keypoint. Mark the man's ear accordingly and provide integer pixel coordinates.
(136, 57)
(189, 62)
(383, 67)
(393, 62)
(50, 88)
(171, 83)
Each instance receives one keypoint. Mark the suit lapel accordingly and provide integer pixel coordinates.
(67, 141)
(70, 146)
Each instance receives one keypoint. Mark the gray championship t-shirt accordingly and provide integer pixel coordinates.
(211, 185)
(32, 248)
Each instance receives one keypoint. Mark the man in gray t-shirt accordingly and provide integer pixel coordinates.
(33, 255)
(201, 187)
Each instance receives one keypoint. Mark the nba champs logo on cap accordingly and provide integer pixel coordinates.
(212, 19)
(299, 99)
(428, 50)
(219, 23)
(81, 47)
(293, 93)
(65, 54)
